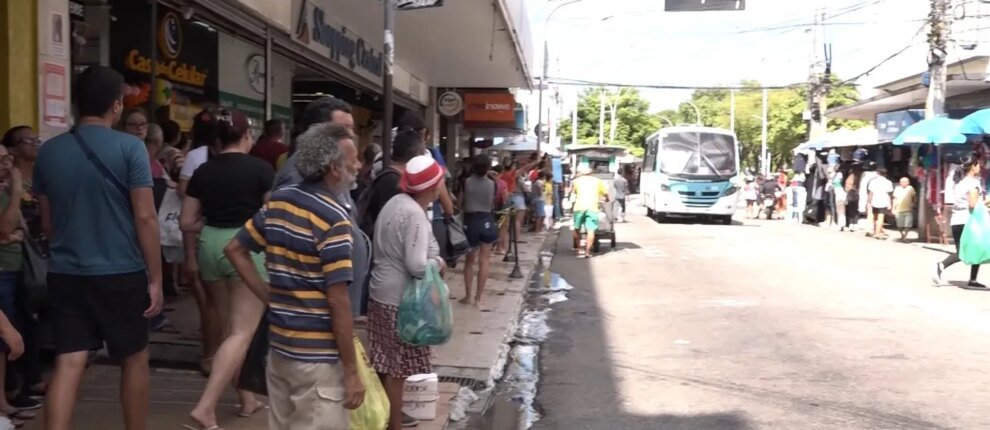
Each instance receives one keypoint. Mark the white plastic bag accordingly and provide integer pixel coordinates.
(168, 219)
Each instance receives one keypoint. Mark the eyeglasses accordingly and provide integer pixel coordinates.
(5, 159)
(137, 124)
(30, 141)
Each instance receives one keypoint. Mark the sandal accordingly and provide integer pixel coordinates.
(259, 405)
(189, 427)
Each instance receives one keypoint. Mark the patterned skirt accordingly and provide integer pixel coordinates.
(389, 354)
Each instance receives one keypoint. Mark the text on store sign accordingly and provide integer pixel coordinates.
(173, 70)
(341, 46)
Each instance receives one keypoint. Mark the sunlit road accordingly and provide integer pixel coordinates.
(763, 326)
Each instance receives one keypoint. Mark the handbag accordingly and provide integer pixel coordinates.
(253, 375)
(34, 274)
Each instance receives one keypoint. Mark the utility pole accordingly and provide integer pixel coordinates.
(817, 81)
(574, 122)
(763, 140)
(938, 36)
(601, 117)
(389, 51)
(732, 110)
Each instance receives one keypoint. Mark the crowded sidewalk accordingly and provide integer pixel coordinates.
(473, 353)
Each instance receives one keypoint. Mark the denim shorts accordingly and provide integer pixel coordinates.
(480, 228)
(539, 209)
(519, 202)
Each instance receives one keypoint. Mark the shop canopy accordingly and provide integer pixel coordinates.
(523, 143)
(976, 123)
(936, 131)
(841, 138)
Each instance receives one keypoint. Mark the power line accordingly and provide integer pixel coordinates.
(585, 83)
(910, 45)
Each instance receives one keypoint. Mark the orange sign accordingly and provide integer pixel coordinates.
(489, 108)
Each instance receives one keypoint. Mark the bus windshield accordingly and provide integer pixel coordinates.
(698, 155)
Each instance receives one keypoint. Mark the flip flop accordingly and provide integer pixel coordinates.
(260, 406)
(189, 427)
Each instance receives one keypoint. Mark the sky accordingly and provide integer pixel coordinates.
(635, 42)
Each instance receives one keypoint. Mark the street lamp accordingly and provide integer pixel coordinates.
(546, 65)
(667, 119)
(764, 163)
(697, 112)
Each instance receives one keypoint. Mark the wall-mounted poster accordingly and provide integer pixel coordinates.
(55, 91)
(56, 40)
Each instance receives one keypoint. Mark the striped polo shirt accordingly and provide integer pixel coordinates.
(306, 236)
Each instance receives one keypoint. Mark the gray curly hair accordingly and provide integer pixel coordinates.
(318, 150)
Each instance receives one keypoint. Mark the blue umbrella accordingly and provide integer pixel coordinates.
(976, 123)
(935, 131)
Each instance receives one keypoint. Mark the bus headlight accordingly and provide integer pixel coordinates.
(731, 190)
(664, 187)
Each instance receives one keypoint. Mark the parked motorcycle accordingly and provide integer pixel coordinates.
(769, 204)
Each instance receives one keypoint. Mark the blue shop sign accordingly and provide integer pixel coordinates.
(891, 124)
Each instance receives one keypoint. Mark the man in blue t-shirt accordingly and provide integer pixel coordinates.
(105, 273)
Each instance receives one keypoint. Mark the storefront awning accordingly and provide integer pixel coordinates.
(906, 98)
(467, 44)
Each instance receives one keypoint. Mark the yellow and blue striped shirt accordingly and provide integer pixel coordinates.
(306, 237)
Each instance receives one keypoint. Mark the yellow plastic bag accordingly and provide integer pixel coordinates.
(373, 413)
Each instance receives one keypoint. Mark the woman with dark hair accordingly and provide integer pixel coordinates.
(24, 376)
(204, 142)
(222, 195)
(968, 190)
(478, 204)
(134, 121)
(172, 155)
(211, 315)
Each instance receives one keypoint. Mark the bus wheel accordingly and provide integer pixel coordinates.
(661, 217)
(727, 220)
(650, 213)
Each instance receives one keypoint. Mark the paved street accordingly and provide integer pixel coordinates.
(762, 326)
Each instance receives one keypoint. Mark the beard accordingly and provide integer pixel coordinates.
(348, 182)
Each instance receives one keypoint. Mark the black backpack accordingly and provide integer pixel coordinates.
(366, 223)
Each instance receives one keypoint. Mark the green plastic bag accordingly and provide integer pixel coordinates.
(373, 412)
(974, 245)
(425, 317)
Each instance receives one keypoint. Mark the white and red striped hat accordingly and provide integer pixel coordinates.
(422, 173)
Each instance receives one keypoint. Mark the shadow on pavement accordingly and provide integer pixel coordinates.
(579, 387)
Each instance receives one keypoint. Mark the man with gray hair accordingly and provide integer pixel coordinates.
(311, 335)
(316, 118)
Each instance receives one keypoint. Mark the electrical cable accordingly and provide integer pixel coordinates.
(910, 45)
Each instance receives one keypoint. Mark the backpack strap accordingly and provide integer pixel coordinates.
(99, 165)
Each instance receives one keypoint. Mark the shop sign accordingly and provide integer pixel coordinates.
(493, 109)
(77, 12)
(187, 57)
(344, 47)
(255, 69)
(891, 124)
(450, 103)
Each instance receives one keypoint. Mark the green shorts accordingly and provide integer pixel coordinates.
(213, 264)
(586, 219)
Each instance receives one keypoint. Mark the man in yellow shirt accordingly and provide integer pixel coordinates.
(588, 191)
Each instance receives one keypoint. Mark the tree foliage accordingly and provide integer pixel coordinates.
(786, 127)
(633, 122)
